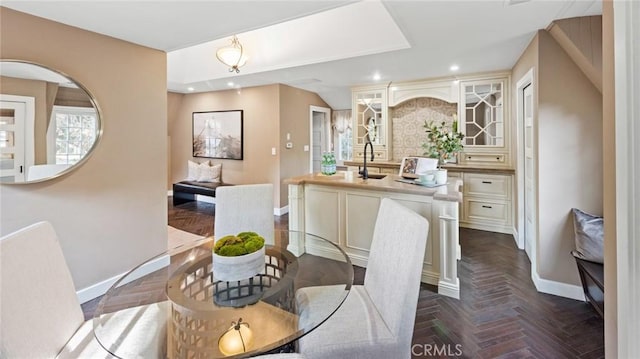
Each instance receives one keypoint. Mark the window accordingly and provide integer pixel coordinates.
(73, 131)
(345, 145)
(342, 135)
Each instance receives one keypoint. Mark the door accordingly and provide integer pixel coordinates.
(320, 136)
(529, 172)
(12, 141)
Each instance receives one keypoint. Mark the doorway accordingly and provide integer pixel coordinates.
(527, 168)
(16, 137)
(320, 136)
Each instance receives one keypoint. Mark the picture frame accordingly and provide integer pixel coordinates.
(218, 134)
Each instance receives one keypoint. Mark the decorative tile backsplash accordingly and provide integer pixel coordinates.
(408, 118)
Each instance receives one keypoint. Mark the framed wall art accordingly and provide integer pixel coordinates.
(218, 134)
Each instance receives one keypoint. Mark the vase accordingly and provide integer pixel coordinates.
(229, 269)
(441, 176)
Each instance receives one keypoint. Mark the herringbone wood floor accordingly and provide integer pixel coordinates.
(499, 314)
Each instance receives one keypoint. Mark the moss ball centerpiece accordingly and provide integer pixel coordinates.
(238, 257)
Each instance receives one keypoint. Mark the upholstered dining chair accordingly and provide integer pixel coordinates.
(245, 208)
(376, 319)
(40, 313)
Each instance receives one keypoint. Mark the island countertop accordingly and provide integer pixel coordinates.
(449, 192)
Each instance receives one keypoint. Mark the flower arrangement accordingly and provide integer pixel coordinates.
(442, 142)
(243, 243)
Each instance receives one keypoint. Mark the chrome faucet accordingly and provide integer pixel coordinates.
(364, 172)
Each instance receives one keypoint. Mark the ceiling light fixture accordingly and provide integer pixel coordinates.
(454, 68)
(190, 89)
(230, 84)
(232, 55)
(377, 76)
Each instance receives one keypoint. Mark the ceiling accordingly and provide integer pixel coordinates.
(321, 46)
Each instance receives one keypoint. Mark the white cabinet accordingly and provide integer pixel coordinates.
(487, 202)
(485, 122)
(371, 122)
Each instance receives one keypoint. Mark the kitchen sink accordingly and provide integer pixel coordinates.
(375, 176)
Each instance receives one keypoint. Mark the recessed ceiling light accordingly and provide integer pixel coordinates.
(454, 68)
(190, 89)
(376, 76)
(230, 83)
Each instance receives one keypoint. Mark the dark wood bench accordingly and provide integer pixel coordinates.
(592, 278)
(186, 191)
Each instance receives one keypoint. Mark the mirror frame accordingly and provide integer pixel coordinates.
(99, 129)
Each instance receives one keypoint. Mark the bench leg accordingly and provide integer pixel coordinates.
(181, 198)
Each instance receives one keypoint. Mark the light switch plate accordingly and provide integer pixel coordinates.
(306, 148)
(273, 151)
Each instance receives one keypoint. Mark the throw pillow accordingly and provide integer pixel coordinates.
(193, 171)
(589, 236)
(210, 173)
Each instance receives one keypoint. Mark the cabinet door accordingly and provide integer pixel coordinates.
(483, 121)
(370, 110)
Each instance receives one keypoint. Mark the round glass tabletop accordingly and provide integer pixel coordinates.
(173, 306)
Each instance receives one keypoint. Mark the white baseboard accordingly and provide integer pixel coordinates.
(557, 288)
(100, 288)
(281, 211)
(207, 199)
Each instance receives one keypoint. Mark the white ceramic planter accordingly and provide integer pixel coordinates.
(441, 176)
(230, 269)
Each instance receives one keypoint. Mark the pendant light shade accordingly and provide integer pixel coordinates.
(232, 55)
(237, 339)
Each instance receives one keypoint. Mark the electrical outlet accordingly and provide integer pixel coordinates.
(273, 151)
(289, 145)
(306, 148)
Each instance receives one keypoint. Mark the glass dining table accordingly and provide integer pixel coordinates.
(172, 305)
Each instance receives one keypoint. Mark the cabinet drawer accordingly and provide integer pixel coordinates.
(482, 210)
(484, 158)
(493, 186)
(360, 154)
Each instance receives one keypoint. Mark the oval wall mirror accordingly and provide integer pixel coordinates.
(49, 123)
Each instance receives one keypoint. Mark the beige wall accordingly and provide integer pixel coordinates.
(569, 156)
(567, 134)
(609, 183)
(174, 102)
(270, 112)
(111, 213)
(261, 127)
(294, 119)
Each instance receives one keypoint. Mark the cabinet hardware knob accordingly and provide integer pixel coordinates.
(498, 158)
(483, 206)
(487, 182)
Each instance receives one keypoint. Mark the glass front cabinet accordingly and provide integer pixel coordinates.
(371, 123)
(484, 121)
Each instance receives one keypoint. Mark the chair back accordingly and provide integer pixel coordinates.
(394, 269)
(244, 208)
(39, 309)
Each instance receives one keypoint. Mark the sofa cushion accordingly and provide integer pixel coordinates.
(589, 236)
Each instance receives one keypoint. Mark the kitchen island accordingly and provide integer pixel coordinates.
(343, 209)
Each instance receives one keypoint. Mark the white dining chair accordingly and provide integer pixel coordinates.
(243, 208)
(40, 313)
(376, 319)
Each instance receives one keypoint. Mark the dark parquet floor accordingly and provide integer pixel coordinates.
(499, 314)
